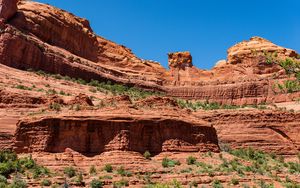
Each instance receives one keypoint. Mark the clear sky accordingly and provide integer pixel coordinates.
(206, 28)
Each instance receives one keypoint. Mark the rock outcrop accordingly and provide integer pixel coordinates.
(257, 47)
(62, 121)
(8, 8)
(270, 131)
(95, 135)
(41, 37)
(180, 60)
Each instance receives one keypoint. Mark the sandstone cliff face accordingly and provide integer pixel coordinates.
(271, 131)
(248, 77)
(42, 37)
(92, 136)
(256, 46)
(58, 28)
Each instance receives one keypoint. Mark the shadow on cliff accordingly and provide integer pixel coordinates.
(93, 137)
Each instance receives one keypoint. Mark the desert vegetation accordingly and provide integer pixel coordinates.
(237, 164)
(199, 105)
(292, 69)
(105, 87)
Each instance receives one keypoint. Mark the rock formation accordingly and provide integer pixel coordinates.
(8, 8)
(95, 135)
(42, 37)
(272, 131)
(249, 50)
(180, 60)
(89, 101)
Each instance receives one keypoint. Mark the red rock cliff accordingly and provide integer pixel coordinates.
(42, 37)
(95, 135)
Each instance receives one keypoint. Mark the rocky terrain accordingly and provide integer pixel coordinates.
(82, 111)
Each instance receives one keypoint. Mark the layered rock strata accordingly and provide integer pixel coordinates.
(94, 135)
(270, 131)
(42, 37)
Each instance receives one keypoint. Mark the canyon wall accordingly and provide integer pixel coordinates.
(271, 131)
(40, 37)
(94, 136)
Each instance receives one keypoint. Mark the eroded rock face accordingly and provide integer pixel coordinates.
(254, 48)
(96, 135)
(180, 60)
(7, 9)
(81, 99)
(42, 37)
(270, 131)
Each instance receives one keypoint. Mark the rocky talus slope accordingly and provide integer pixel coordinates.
(70, 98)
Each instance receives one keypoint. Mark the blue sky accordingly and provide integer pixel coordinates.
(206, 28)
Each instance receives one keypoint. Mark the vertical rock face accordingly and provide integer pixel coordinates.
(270, 131)
(63, 29)
(180, 60)
(94, 136)
(7, 9)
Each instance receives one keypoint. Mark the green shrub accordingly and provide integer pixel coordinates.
(18, 183)
(39, 171)
(62, 93)
(7, 155)
(209, 153)
(70, 171)
(176, 184)
(249, 154)
(79, 180)
(294, 168)
(95, 183)
(263, 184)
(169, 163)
(193, 184)
(121, 171)
(106, 177)
(187, 170)
(23, 87)
(191, 160)
(147, 155)
(45, 182)
(108, 168)
(6, 168)
(289, 65)
(121, 183)
(93, 170)
(55, 106)
(51, 92)
(217, 184)
(28, 162)
(157, 185)
(3, 179)
(234, 181)
(3, 185)
(292, 86)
